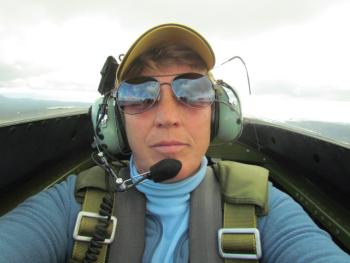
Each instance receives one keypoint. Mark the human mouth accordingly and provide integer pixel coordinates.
(169, 147)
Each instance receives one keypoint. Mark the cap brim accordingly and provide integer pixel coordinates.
(174, 33)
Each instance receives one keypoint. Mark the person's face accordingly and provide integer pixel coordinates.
(169, 129)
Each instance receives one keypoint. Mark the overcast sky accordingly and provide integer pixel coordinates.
(293, 48)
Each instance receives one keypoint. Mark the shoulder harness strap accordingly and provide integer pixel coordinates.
(245, 193)
(129, 242)
(91, 189)
(244, 190)
(205, 220)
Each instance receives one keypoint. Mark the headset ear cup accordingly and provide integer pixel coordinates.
(108, 132)
(229, 118)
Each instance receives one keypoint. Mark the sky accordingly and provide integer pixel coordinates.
(294, 49)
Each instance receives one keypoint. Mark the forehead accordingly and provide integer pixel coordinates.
(171, 70)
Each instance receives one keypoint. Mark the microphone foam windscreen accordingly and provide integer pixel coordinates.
(165, 169)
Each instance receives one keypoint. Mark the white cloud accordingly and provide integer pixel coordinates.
(282, 108)
(298, 48)
(300, 60)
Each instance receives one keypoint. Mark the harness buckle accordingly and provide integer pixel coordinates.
(253, 231)
(82, 214)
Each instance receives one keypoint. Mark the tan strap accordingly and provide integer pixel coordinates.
(242, 241)
(92, 201)
(245, 192)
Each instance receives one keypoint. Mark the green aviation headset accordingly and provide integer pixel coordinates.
(108, 120)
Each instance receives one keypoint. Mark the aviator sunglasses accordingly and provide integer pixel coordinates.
(139, 94)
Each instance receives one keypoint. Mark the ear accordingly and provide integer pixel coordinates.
(108, 126)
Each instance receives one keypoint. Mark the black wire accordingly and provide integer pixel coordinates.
(100, 231)
(102, 111)
(250, 93)
(94, 160)
(106, 206)
(101, 228)
(245, 66)
(120, 57)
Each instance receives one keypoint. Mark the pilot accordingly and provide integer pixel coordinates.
(168, 107)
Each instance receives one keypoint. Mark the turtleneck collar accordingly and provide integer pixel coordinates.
(179, 188)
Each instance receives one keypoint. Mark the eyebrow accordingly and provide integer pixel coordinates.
(170, 75)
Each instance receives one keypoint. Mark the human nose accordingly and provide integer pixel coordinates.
(168, 109)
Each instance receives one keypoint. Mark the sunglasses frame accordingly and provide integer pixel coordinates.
(176, 76)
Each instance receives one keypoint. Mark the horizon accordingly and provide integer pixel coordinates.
(27, 109)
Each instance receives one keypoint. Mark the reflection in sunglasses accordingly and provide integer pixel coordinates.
(140, 94)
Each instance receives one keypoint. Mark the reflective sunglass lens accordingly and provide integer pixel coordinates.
(137, 95)
(194, 90)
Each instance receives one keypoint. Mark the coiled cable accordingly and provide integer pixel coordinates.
(101, 228)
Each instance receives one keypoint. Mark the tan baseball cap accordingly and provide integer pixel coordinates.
(172, 32)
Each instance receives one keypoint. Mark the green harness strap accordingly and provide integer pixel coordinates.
(244, 190)
(245, 193)
(90, 189)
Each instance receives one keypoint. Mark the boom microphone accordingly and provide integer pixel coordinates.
(159, 172)
(165, 169)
